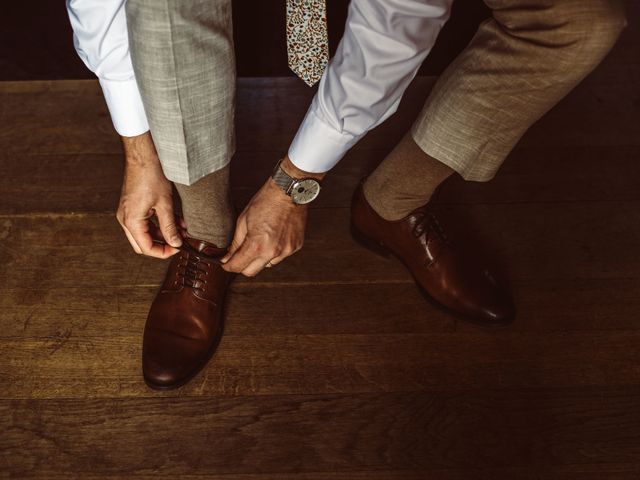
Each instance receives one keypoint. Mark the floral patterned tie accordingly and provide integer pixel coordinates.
(307, 41)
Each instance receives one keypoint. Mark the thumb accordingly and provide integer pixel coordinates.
(238, 238)
(168, 226)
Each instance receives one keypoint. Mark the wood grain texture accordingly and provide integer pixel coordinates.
(542, 242)
(535, 429)
(556, 306)
(66, 365)
(90, 183)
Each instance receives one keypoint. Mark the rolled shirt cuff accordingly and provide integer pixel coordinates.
(318, 147)
(125, 106)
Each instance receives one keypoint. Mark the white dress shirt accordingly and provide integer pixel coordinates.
(384, 43)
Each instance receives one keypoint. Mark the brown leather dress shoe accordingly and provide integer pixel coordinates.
(451, 277)
(185, 321)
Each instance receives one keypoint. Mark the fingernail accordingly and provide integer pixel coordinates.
(177, 241)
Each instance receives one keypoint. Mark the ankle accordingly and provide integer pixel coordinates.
(391, 205)
(217, 238)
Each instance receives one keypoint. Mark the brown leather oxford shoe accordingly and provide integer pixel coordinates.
(451, 277)
(185, 321)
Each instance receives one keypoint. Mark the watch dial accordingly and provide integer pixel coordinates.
(305, 191)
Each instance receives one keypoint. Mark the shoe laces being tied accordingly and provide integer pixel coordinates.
(191, 271)
(428, 223)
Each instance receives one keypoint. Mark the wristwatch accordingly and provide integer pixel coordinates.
(301, 190)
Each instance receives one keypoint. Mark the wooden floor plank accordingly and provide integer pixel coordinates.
(556, 306)
(441, 474)
(591, 472)
(334, 309)
(91, 183)
(75, 366)
(538, 428)
(583, 472)
(540, 241)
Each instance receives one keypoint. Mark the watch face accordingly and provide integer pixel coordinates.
(305, 191)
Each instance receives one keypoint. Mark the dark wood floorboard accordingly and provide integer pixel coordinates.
(333, 366)
(556, 306)
(64, 365)
(541, 241)
(524, 178)
(537, 429)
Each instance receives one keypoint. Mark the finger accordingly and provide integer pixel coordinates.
(132, 241)
(276, 260)
(182, 226)
(156, 234)
(255, 267)
(238, 239)
(139, 230)
(168, 226)
(243, 256)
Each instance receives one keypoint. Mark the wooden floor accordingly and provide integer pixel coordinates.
(332, 366)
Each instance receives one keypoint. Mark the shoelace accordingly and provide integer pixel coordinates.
(428, 223)
(190, 274)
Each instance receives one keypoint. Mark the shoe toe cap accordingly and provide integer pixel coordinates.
(496, 307)
(498, 313)
(168, 360)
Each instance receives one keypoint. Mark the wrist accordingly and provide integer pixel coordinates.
(140, 150)
(279, 194)
(290, 169)
(302, 187)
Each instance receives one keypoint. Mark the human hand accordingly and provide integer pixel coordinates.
(147, 192)
(270, 228)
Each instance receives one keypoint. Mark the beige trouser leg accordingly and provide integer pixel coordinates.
(183, 58)
(520, 63)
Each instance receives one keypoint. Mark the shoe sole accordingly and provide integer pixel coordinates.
(381, 249)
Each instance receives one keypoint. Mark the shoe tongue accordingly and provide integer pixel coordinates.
(207, 248)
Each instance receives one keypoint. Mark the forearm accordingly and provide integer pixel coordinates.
(382, 48)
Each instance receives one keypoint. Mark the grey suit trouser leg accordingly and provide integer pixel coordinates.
(183, 58)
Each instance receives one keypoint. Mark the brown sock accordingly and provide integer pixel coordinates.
(404, 180)
(207, 208)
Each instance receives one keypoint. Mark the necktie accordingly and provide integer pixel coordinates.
(307, 42)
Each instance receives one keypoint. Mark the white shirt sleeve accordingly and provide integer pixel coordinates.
(384, 44)
(101, 40)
